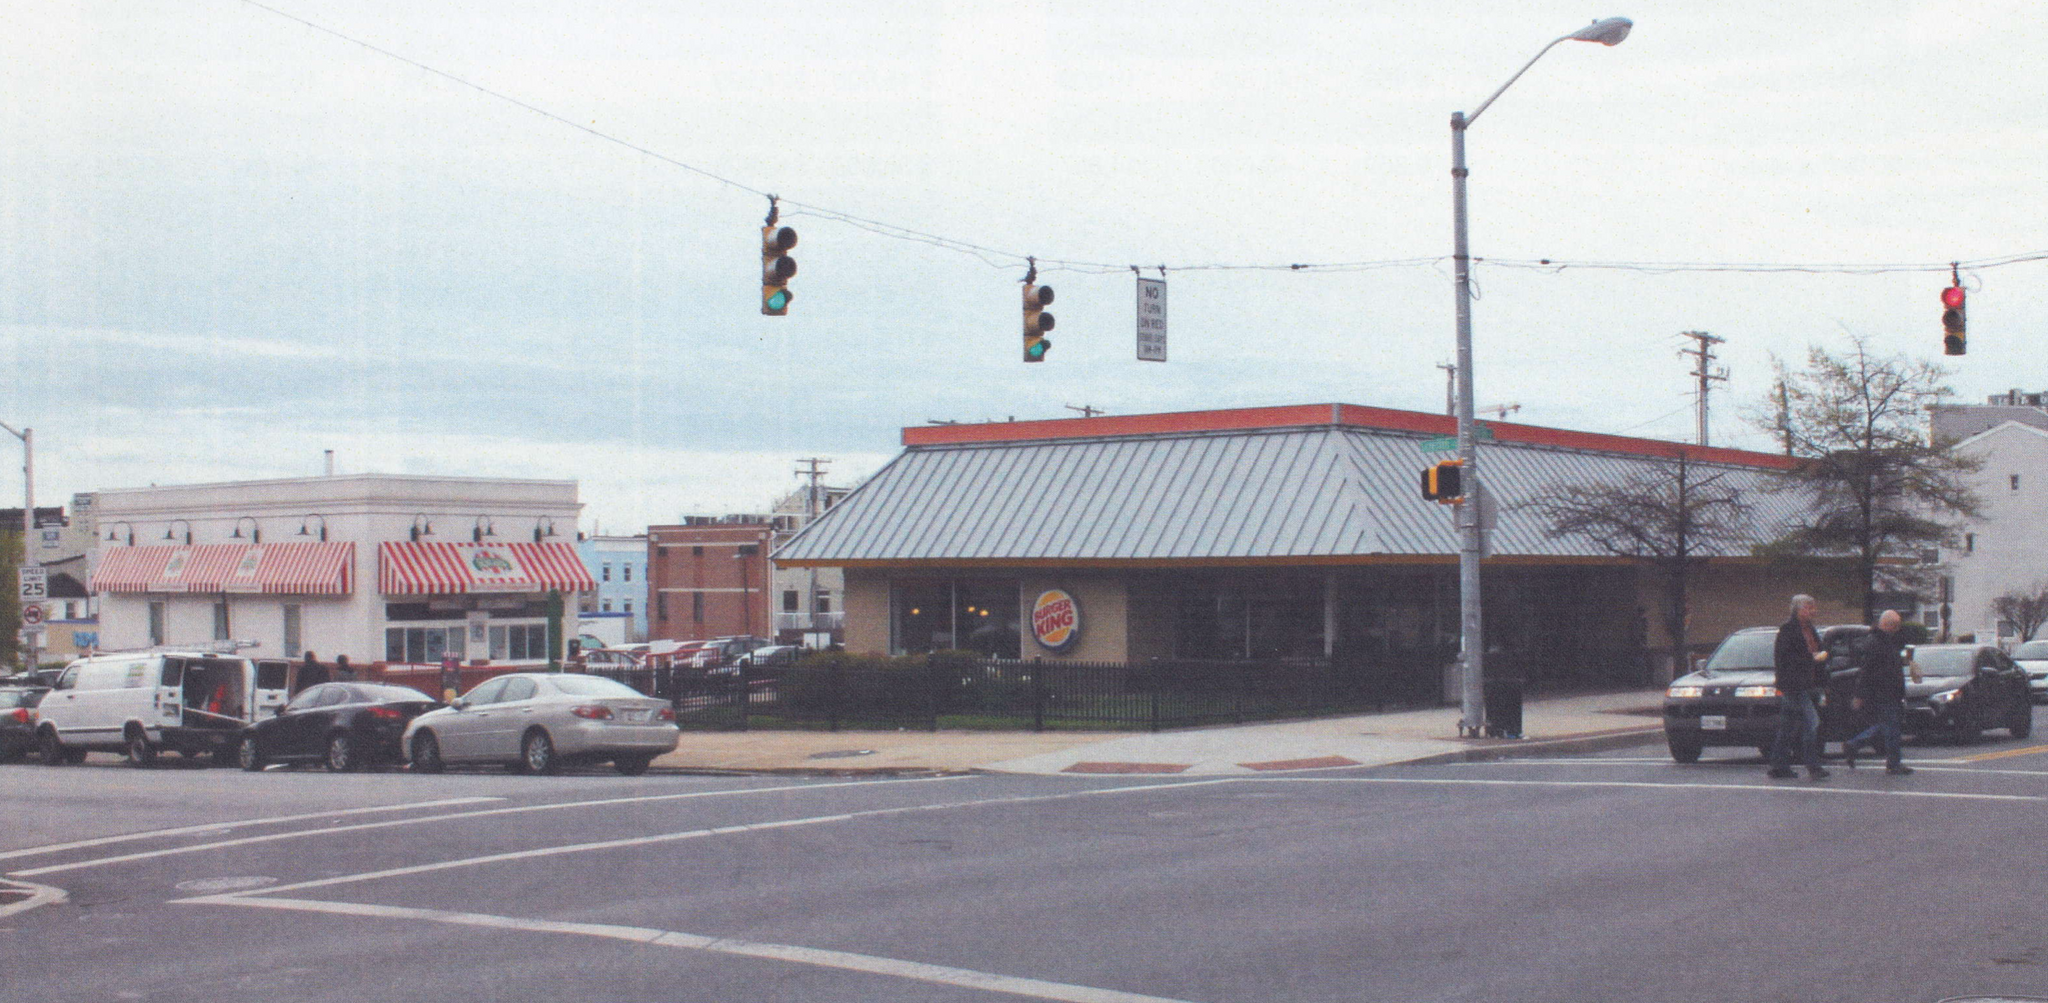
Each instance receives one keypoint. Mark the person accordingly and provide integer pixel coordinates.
(1881, 687)
(342, 670)
(451, 678)
(311, 673)
(1800, 661)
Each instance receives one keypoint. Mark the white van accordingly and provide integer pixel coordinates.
(187, 701)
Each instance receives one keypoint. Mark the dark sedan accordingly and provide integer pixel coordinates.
(345, 725)
(18, 720)
(1966, 689)
(1733, 699)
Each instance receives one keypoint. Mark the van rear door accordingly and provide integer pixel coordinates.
(169, 701)
(272, 689)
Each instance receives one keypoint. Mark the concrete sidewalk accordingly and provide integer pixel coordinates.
(1573, 723)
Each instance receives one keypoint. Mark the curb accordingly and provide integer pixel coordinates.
(1510, 748)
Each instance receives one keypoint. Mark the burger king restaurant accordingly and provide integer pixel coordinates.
(1284, 532)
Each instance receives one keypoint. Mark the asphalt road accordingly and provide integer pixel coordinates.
(1613, 877)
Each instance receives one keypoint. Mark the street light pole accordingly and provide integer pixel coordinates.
(1471, 535)
(27, 436)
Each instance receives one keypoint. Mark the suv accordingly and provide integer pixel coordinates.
(1733, 699)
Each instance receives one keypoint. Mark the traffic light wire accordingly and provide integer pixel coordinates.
(1001, 259)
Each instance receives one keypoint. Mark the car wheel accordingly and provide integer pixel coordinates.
(51, 748)
(426, 753)
(631, 766)
(1684, 750)
(250, 755)
(537, 752)
(140, 752)
(341, 753)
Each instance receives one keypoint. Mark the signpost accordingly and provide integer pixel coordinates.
(35, 587)
(1151, 320)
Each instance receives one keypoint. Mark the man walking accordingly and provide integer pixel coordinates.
(1799, 660)
(1881, 686)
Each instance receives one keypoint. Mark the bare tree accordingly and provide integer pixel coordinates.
(1881, 490)
(1670, 518)
(2026, 609)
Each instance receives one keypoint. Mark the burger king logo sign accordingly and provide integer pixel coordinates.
(1056, 620)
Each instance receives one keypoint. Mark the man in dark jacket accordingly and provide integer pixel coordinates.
(1881, 686)
(1799, 660)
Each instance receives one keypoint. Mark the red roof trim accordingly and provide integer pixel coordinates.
(1354, 415)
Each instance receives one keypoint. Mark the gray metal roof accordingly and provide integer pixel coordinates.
(1301, 492)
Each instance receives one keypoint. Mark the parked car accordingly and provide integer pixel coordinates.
(774, 654)
(1965, 689)
(2033, 658)
(720, 652)
(608, 660)
(187, 702)
(346, 725)
(536, 721)
(1733, 698)
(18, 720)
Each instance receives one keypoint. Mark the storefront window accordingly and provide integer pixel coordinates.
(974, 614)
(422, 645)
(1249, 618)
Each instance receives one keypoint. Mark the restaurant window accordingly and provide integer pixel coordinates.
(294, 629)
(973, 614)
(1239, 619)
(423, 645)
(157, 614)
(519, 642)
(220, 621)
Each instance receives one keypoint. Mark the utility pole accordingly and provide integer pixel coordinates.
(30, 656)
(1785, 416)
(813, 468)
(1703, 357)
(1086, 410)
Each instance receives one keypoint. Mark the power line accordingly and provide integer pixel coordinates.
(999, 258)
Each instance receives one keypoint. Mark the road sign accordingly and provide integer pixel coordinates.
(35, 583)
(1152, 320)
(1442, 444)
(31, 614)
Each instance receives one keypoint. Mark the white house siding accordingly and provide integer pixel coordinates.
(2007, 548)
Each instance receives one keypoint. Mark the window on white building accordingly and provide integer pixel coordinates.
(294, 628)
(627, 570)
(156, 622)
(220, 621)
(607, 574)
(604, 605)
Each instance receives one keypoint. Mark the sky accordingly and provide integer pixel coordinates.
(520, 238)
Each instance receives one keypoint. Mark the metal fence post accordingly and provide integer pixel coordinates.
(1038, 694)
(835, 691)
(746, 695)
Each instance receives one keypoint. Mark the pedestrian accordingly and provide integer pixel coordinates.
(311, 674)
(342, 670)
(1801, 663)
(451, 678)
(1881, 687)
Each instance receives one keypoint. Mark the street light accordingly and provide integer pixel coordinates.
(1471, 539)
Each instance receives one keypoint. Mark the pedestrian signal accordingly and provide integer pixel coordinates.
(1444, 482)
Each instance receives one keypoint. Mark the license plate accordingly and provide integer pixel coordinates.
(1714, 722)
(637, 715)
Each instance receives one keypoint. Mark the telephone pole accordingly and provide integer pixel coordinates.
(1703, 357)
(813, 468)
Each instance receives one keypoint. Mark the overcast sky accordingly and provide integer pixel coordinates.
(233, 240)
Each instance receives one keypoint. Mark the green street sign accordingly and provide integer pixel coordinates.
(1439, 445)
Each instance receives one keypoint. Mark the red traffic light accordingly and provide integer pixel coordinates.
(1952, 297)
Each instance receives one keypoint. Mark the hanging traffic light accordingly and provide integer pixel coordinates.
(1952, 339)
(1036, 321)
(776, 267)
(1444, 482)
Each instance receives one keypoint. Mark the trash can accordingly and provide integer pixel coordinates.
(1503, 698)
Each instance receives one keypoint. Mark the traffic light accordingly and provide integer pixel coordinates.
(1036, 321)
(776, 268)
(1952, 321)
(1444, 482)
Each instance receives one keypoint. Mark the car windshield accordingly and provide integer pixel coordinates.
(2032, 650)
(592, 686)
(1945, 661)
(1745, 653)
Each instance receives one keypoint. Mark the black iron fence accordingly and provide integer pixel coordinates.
(955, 690)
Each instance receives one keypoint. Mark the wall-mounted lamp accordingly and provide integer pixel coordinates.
(114, 536)
(255, 530)
(421, 527)
(482, 529)
(543, 527)
(303, 531)
(170, 531)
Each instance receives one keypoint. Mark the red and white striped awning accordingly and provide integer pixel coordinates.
(450, 568)
(288, 568)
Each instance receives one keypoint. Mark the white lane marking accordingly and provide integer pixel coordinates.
(224, 826)
(1651, 761)
(725, 830)
(35, 895)
(1799, 787)
(845, 960)
(452, 816)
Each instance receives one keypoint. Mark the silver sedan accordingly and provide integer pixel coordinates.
(533, 722)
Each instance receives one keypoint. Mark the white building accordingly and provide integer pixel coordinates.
(2007, 549)
(380, 567)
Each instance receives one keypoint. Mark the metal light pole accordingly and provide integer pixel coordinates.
(30, 655)
(1471, 541)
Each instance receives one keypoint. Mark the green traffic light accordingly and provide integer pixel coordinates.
(1035, 351)
(778, 300)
